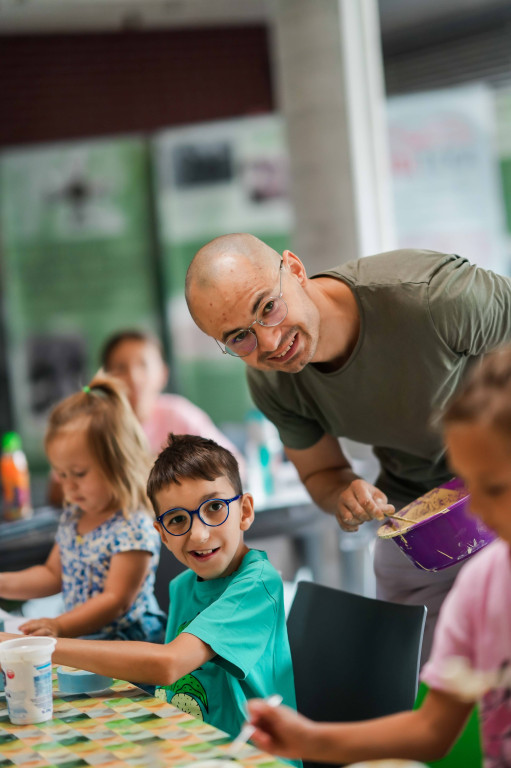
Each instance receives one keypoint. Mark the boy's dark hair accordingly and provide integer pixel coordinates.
(194, 457)
(130, 334)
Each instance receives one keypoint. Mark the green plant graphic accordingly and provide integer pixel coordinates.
(186, 692)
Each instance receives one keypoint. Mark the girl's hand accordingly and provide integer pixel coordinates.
(281, 730)
(41, 627)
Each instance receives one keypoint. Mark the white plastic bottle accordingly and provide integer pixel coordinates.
(264, 453)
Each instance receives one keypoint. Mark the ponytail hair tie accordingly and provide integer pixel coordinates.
(86, 390)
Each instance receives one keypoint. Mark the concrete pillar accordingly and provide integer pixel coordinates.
(329, 84)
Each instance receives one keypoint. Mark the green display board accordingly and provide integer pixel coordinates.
(77, 264)
(213, 179)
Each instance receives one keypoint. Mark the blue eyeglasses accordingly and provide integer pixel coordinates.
(212, 512)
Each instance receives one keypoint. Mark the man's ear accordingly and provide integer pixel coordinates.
(294, 265)
(247, 511)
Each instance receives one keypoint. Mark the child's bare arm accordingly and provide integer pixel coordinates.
(37, 581)
(424, 734)
(124, 581)
(140, 662)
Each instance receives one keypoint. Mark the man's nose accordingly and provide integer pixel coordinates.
(268, 337)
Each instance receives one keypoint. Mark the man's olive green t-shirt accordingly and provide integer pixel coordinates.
(424, 317)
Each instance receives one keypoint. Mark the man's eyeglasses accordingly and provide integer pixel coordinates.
(212, 512)
(270, 312)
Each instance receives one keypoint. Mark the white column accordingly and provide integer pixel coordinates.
(329, 83)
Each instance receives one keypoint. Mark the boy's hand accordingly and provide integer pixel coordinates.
(41, 627)
(281, 730)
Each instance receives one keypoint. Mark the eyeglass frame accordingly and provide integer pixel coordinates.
(192, 512)
(224, 349)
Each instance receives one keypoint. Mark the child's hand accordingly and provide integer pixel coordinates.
(46, 627)
(281, 730)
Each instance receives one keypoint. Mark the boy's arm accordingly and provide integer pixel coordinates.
(125, 578)
(136, 661)
(37, 581)
(424, 734)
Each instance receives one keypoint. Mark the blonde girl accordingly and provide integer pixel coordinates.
(473, 634)
(106, 550)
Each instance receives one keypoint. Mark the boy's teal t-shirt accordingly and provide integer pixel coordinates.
(242, 618)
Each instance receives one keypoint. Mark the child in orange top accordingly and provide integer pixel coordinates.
(106, 550)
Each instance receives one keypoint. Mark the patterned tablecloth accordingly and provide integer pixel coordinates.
(116, 728)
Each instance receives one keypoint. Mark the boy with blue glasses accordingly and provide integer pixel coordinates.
(226, 638)
(226, 612)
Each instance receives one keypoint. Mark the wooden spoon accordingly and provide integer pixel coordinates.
(398, 517)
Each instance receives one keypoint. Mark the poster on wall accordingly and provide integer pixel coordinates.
(445, 174)
(77, 265)
(213, 179)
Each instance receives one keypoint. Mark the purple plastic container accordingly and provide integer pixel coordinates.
(445, 538)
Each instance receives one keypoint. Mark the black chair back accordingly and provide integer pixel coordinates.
(354, 657)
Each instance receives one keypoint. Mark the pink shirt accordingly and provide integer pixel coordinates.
(174, 413)
(475, 622)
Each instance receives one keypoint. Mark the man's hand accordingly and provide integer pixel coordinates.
(41, 627)
(361, 502)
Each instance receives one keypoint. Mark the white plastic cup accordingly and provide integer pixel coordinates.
(26, 668)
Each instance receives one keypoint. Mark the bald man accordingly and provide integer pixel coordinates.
(370, 350)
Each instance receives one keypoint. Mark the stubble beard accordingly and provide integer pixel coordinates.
(297, 363)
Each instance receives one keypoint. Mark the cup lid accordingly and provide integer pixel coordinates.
(26, 648)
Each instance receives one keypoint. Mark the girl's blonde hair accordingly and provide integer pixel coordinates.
(486, 395)
(114, 436)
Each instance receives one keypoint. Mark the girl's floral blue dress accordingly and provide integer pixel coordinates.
(85, 562)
